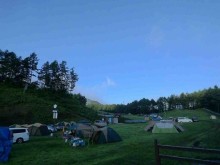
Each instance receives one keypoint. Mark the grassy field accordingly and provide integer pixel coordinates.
(137, 147)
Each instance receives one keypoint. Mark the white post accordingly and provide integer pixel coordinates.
(55, 112)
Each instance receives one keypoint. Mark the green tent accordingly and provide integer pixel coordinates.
(105, 135)
(97, 135)
(164, 128)
(38, 129)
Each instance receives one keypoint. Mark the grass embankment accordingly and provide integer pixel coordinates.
(35, 105)
(137, 147)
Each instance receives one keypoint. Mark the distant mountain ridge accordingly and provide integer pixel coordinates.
(92, 102)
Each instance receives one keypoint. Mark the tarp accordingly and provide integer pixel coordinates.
(5, 143)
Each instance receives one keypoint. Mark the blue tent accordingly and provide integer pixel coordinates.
(5, 143)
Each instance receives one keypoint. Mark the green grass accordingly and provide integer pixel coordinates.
(201, 114)
(133, 117)
(137, 147)
(36, 106)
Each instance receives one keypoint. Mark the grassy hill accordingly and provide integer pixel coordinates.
(37, 105)
(136, 148)
(92, 102)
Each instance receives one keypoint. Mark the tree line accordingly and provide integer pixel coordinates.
(28, 92)
(24, 72)
(206, 98)
(54, 78)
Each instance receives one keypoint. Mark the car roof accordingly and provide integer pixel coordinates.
(19, 128)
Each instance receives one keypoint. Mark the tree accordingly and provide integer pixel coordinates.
(63, 75)
(144, 105)
(10, 67)
(82, 100)
(211, 99)
(54, 76)
(73, 77)
(57, 77)
(29, 68)
(44, 77)
(162, 104)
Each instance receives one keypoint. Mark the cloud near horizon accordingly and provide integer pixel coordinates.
(108, 83)
(96, 92)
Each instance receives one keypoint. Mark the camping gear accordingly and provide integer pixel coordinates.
(84, 130)
(77, 142)
(95, 134)
(38, 129)
(5, 143)
(100, 123)
(164, 126)
(213, 117)
(104, 135)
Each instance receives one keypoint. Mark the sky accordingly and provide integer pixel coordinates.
(122, 50)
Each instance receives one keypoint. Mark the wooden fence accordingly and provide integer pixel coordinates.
(159, 156)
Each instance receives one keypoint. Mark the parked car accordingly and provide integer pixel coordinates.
(195, 119)
(184, 120)
(51, 128)
(20, 135)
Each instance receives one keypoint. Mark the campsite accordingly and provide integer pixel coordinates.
(109, 82)
(136, 147)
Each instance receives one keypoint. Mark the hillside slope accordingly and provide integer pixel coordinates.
(37, 105)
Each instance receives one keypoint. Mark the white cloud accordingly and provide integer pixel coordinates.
(156, 37)
(108, 83)
(96, 92)
(89, 93)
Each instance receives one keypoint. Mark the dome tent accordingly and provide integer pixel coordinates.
(105, 135)
(97, 135)
(163, 126)
(38, 129)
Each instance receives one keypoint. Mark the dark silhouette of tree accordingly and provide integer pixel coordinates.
(44, 77)
(10, 67)
(29, 68)
(57, 77)
(73, 77)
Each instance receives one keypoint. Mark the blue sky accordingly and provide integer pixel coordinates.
(122, 50)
